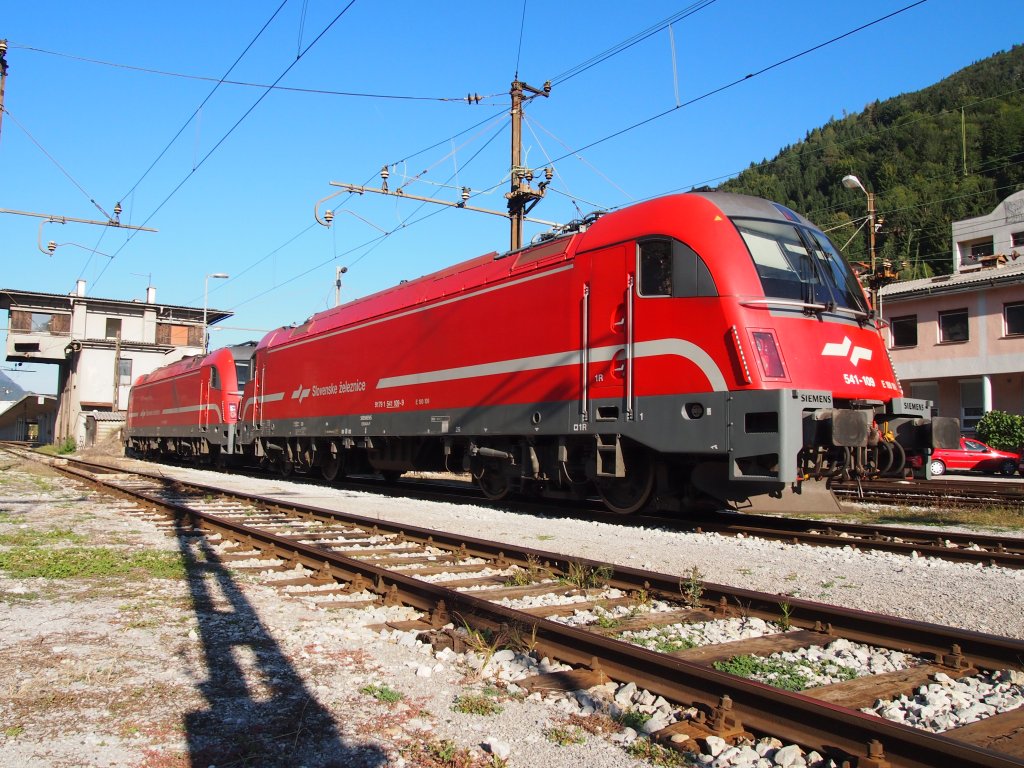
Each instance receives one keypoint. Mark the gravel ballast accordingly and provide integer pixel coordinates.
(138, 672)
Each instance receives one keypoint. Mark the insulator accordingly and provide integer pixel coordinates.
(529, 175)
(549, 173)
(117, 209)
(465, 194)
(51, 246)
(384, 173)
(328, 216)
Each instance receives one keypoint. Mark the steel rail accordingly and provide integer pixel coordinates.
(996, 550)
(832, 729)
(921, 638)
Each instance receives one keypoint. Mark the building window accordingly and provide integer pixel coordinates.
(1013, 316)
(113, 328)
(179, 335)
(23, 321)
(926, 390)
(1017, 239)
(979, 250)
(972, 405)
(124, 370)
(953, 326)
(904, 331)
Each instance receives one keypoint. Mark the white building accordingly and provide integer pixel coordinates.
(99, 345)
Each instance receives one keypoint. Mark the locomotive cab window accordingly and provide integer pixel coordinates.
(243, 370)
(656, 268)
(214, 379)
(671, 268)
(800, 264)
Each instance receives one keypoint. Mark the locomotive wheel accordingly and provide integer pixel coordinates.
(493, 484)
(283, 467)
(331, 466)
(626, 495)
(391, 475)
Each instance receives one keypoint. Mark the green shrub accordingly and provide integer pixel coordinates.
(1001, 430)
(67, 445)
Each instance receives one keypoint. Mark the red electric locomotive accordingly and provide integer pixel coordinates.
(696, 347)
(188, 409)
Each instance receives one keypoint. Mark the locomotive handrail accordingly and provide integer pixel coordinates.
(585, 352)
(629, 347)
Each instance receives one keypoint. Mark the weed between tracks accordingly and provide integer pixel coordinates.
(787, 675)
(584, 577)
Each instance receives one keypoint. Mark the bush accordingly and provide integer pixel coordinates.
(1004, 431)
(67, 445)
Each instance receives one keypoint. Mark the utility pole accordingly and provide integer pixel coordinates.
(522, 197)
(3, 78)
(116, 400)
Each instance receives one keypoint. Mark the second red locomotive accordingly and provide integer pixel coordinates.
(696, 347)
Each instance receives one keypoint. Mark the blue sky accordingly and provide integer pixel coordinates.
(235, 192)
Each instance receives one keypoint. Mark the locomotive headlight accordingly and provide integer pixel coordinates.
(693, 410)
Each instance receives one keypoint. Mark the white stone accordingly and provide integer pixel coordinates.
(788, 756)
(715, 745)
(500, 749)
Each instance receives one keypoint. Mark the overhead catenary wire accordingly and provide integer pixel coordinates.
(249, 84)
(630, 42)
(60, 167)
(209, 96)
(231, 130)
(410, 222)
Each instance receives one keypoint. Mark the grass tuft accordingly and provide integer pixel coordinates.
(476, 704)
(27, 562)
(382, 693)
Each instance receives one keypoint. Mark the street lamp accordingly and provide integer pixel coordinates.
(206, 292)
(852, 182)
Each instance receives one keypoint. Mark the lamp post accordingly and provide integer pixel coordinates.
(852, 182)
(206, 292)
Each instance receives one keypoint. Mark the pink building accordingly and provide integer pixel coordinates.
(958, 340)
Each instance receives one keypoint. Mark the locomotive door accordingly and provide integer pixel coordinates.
(608, 328)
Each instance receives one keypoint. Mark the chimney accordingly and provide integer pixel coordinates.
(150, 295)
(80, 288)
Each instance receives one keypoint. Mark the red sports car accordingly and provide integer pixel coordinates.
(973, 455)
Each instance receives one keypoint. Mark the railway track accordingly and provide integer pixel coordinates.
(974, 548)
(944, 491)
(343, 560)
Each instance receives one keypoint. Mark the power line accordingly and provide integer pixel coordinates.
(243, 83)
(519, 50)
(208, 97)
(54, 160)
(231, 130)
(743, 79)
(630, 42)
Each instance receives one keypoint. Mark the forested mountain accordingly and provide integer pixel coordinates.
(948, 152)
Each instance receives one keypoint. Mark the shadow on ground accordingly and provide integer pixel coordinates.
(259, 711)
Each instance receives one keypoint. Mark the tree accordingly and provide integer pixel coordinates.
(1001, 430)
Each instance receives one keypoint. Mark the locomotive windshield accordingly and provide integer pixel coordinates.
(800, 264)
(243, 369)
